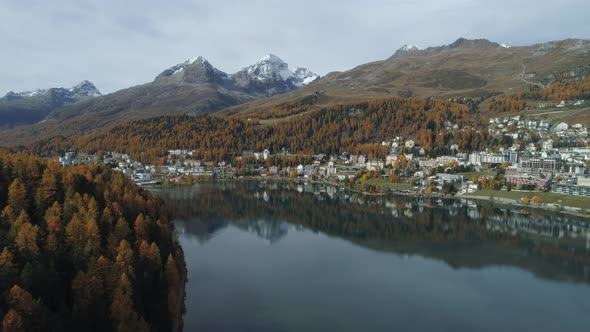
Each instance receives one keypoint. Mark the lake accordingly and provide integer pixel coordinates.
(296, 257)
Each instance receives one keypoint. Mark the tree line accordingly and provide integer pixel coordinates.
(84, 248)
(568, 91)
(354, 128)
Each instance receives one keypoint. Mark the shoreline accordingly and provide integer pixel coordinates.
(563, 209)
(510, 202)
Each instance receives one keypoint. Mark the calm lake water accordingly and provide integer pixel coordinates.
(287, 257)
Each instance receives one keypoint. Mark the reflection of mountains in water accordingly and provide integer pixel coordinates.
(457, 231)
(269, 230)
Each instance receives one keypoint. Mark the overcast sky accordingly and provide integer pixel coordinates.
(120, 43)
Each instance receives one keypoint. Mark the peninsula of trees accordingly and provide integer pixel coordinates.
(84, 249)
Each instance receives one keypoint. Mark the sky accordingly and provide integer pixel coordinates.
(117, 44)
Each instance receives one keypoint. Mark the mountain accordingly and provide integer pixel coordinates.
(476, 68)
(194, 86)
(269, 89)
(33, 106)
(192, 71)
(271, 76)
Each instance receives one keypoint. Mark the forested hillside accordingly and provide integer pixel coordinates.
(84, 249)
(566, 91)
(354, 128)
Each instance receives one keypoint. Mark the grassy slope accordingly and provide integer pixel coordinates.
(552, 198)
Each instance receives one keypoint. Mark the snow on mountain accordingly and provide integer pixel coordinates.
(38, 92)
(505, 45)
(85, 89)
(270, 67)
(273, 68)
(303, 76)
(194, 70)
(80, 90)
(406, 50)
(410, 47)
(182, 66)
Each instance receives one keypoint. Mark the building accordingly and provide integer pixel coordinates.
(481, 158)
(445, 160)
(518, 178)
(547, 145)
(451, 178)
(536, 167)
(300, 169)
(375, 165)
(390, 159)
(331, 170)
(569, 189)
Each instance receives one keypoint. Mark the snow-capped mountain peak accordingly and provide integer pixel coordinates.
(268, 68)
(182, 66)
(38, 92)
(193, 70)
(410, 47)
(86, 89)
(271, 58)
(271, 68)
(303, 76)
(505, 45)
(80, 90)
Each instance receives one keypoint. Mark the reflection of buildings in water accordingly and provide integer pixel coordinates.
(557, 228)
(496, 219)
(408, 213)
(453, 212)
(501, 220)
(264, 195)
(473, 213)
(394, 213)
(331, 191)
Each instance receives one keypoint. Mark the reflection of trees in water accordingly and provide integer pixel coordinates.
(459, 232)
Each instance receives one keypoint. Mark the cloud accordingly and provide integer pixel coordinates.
(117, 44)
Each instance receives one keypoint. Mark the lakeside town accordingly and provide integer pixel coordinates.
(540, 157)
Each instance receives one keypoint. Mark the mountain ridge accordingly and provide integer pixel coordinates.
(28, 107)
(192, 86)
(464, 68)
(477, 69)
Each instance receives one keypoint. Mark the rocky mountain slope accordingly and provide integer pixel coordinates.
(271, 90)
(33, 106)
(194, 86)
(465, 68)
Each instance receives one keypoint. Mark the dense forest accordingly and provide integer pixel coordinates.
(354, 128)
(84, 249)
(557, 92)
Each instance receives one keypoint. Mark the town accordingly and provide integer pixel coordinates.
(536, 156)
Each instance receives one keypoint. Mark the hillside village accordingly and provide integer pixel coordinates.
(535, 155)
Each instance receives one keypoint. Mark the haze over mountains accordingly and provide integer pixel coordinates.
(466, 68)
(33, 106)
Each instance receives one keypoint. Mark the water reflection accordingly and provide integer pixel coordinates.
(458, 232)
